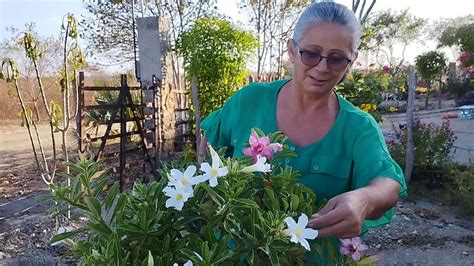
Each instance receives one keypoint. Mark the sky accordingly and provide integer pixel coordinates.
(48, 14)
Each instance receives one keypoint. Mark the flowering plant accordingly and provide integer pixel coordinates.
(232, 211)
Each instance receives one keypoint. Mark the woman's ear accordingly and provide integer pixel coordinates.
(291, 50)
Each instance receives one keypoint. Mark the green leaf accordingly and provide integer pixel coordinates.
(119, 206)
(111, 194)
(100, 228)
(94, 206)
(273, 200)
(294, 202)
(65, 235)
(99, 187)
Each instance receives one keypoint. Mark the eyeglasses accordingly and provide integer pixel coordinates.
(312, 59)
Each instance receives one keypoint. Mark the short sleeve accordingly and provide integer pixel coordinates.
(218, 125)
(371, 160)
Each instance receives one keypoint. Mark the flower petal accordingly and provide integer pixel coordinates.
(291, 223)
(222, 171)
(247, 151)
(190, 171)
(253, 138)
(310, 233)
(213, 181)
(344, 250)
(199, 179)
(304, 243)
(345, 242)
(171, 202)
(356, 255)
(265, 140)
(205, 167)
(179, 205)
(169, 191)
(294, 238)
(362, 247)
(176, 174)
(216, 162)
(303, 220)
(356, 241)
(275, 147)
(266, 152)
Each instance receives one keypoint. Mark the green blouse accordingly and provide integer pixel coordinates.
(351, 154)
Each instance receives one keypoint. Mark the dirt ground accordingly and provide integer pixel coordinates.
(423, 232)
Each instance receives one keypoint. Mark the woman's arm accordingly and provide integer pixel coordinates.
(344, 215)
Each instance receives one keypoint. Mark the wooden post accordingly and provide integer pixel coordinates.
(197, 113)
(123, 129)
(410, 107)
(80, 107)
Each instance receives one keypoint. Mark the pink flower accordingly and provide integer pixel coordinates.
(261, 146)
(386, 69)
(464, 56)
(352, 247)
(389, 140)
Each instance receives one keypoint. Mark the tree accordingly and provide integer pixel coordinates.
(72, 59)
(215, 53)
(428, 66)
(272, 21)
(363, 12)
(48, 65)
(389, 29)
(461, 37)
(109, 28)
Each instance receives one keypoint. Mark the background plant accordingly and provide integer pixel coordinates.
(364, 88)
(429, 66)
(215, 53)
(432, 145)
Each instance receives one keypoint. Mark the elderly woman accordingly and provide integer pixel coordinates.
(341, 151)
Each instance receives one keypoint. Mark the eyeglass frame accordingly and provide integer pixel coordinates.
(301, 51)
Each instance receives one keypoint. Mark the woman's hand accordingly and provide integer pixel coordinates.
(343, 215)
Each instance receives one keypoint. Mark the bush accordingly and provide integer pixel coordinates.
(242, 215)
(462, 187)
(364, 90)
(432, 145)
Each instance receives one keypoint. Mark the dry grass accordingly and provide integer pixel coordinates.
(10, 105)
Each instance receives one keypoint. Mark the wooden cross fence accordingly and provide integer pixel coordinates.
(118, 115)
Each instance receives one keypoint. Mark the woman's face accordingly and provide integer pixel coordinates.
(328, 40)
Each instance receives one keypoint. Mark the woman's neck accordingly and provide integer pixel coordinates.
(307, 104)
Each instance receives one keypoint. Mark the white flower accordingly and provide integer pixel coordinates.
(186, 179)
(188, 263)
(298, 231)
(212, 172)
(259, 166)
(178, 196)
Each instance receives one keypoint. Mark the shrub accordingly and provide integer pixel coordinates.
(432, 144)
(462, 187)
(237, 218)
(364, 89)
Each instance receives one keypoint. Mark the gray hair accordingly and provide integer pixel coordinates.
(328, 11)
